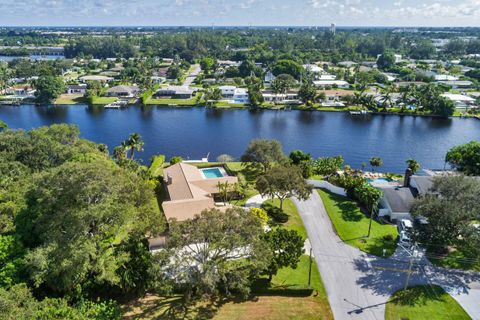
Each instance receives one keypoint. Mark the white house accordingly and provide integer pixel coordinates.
(457, 84)
(289, 97)
(234, 94)
(84, 79)
(331, 83)
(241, 96)
(77, 89)
(324, 77)
(313, 68)
(269, 77)
(445, 77)
(461, 101)
(227, 91)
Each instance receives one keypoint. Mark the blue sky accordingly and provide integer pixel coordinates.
(241, 12)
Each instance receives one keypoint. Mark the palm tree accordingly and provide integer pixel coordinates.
(386, 99)
(375, 162)
(134, 143)
(413, 165)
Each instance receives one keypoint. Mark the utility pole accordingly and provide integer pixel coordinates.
(409, 273)
(310, 268)
(413, 254)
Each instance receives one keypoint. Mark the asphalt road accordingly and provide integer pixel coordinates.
(358, 284)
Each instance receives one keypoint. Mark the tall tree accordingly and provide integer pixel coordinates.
(465, 158)
(134, 143)
(48, 88)
(213, 252)
(286, 247)
(263, 153)
(413, 165)
(282, 182)
(375, 162)
(77, 217)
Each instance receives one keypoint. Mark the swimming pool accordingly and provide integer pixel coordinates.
(379, 180)
(213, 173)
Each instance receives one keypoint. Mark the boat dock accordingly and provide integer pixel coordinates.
(117, 105)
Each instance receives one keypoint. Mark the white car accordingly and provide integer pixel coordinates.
(404, 238)
(405, 225)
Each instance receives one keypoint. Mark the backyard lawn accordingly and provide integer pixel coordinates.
(423, 302)
(103, 100)
(70, 99)
(351, 225)
(167, 101)
(286, 297)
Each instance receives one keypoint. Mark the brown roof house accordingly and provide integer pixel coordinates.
(191, 190)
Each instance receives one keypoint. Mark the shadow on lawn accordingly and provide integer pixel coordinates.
(176, 307)
(350, 211)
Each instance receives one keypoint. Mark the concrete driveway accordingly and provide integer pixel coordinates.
(358, 284)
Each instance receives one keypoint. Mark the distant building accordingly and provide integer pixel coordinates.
(104, 79)
(269, 77)
(123, 91)
(445, 77)
(461, 101)
(331, 83)
(458, 84)
(287, 98)
(76, 89)
(21, 91)
(234, 94)
(178, 92)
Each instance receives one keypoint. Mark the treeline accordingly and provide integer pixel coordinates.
(261, 45)
(101, 48)
(72, 226)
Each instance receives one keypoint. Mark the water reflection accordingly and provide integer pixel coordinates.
(52, 113)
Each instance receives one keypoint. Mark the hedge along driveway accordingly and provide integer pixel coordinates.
(351, 225)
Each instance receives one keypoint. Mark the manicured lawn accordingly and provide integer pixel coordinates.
(103, 100)
(70, 99)
(423, 302)
(294, 222)
(288, 297)
(351, 225)
(166, 101)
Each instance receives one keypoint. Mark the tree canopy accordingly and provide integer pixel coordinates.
(215, 251)
(465, 158)
(263, 153)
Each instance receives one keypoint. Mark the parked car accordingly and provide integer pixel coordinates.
(405, 225)
(404, 238)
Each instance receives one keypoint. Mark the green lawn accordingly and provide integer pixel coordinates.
(70, 99)
(423, 302)
(351, 225)
(103, 100)
(287, 297)
(167, 101)
(294, 222)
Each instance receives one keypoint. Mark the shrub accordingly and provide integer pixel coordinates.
(275, 213)
(176, 159)
(261, 214)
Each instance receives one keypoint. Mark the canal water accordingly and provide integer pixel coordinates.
(195, 132)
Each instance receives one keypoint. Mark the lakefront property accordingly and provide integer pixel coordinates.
(338, 174)
(192, 190)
